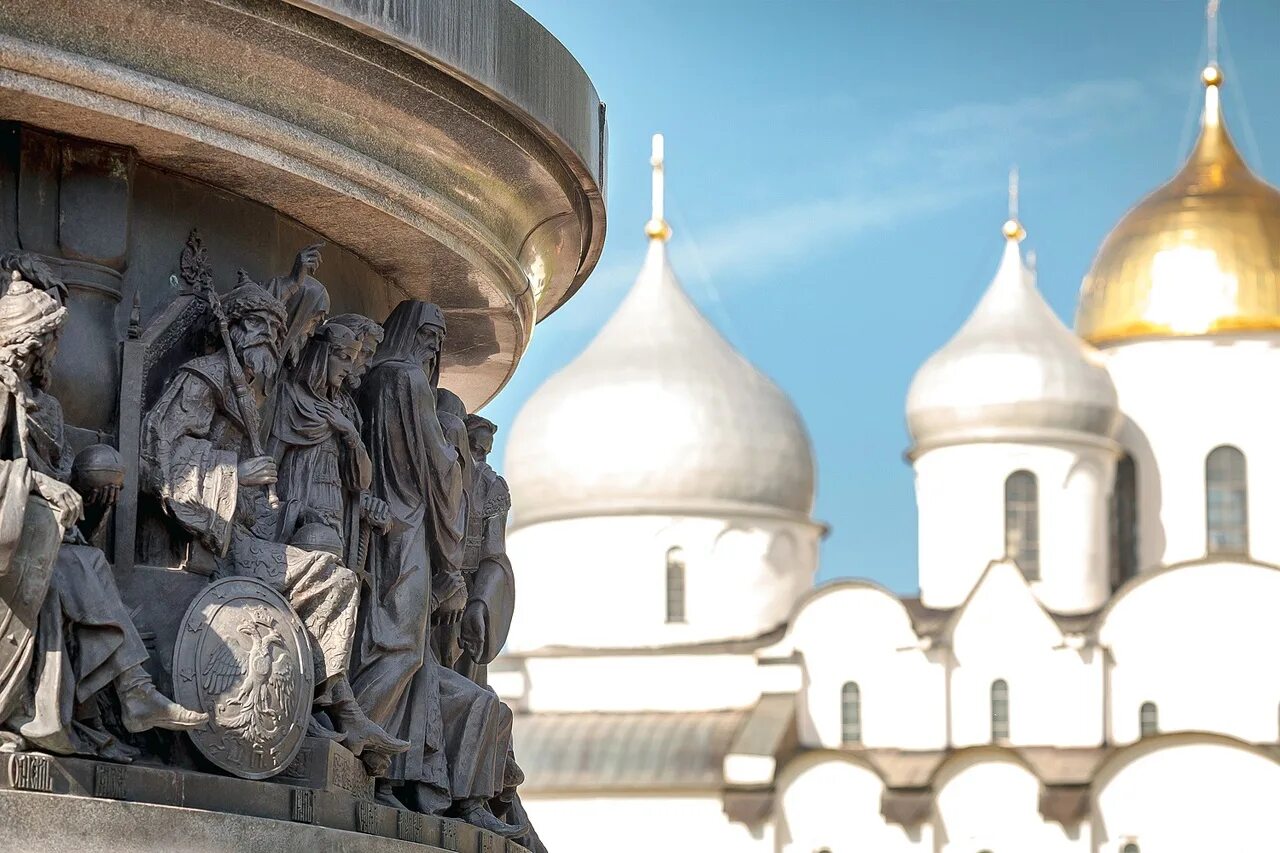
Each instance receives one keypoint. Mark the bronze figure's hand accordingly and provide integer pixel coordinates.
(376, 511)
(64, 498)
(103, 496)
(258, 471)
(307, 261)
(474, 628)
(343, 425)
(450, 607)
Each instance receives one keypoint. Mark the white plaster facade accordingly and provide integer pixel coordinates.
(1081, 707)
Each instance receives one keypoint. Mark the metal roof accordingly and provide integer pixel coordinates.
(630, 751)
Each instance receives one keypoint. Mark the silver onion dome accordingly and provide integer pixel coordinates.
(659, 415)
(1012, 372)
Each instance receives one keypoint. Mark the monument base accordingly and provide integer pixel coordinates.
(56, 804)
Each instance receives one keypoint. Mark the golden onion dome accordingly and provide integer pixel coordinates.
(1199, 255)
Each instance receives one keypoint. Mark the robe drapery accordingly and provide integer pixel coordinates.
(306, 304)
(192, 442)
(492, 580)
(322, 473)
(417, 472)
(84, 637)
(487, 571)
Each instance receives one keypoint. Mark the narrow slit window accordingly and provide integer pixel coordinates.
(999, 710)
(851, 713)
(675, 585)
(1022, 522)
(1148, 719)
(1124, 522)
(1226, 501)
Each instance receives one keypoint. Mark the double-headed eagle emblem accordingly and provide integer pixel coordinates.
(254, 678)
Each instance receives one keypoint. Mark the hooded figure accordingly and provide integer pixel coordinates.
(417, 473)
(307, 306)
(322, 463)
(459, 732)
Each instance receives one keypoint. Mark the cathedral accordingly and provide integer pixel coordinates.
(1099, 570)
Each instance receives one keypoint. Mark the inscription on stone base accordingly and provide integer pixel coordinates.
(367, 818)
(31, 773)
(448, 835)
(109, 782)
(409, 826)
(302, 805)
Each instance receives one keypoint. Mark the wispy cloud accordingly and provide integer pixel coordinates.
(983, 131)
(924, 164)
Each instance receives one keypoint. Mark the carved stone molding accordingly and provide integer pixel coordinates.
(487, 202)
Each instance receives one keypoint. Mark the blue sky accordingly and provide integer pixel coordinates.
(836, 183)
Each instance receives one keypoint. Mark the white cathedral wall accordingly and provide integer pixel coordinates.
(989, 802)
(640, 823)
(1055, 689)
(834, 804)
(857, 632)
(1202, 642)
(1188, 794)
(960, 494)
(1183, 397)
(602, 582)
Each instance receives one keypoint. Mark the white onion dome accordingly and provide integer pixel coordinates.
(1014, 371)
(660, 414)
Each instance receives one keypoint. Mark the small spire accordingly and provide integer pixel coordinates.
(1013, 229)
(1211, 77)
(657, 227)
(1211, 23)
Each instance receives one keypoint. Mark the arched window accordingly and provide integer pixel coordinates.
(1226, 501)
(1130, 848)
(999, 710)
(1022, 523)
(1124, 522)
(675, 585)
(1148, 719)
(850, 713)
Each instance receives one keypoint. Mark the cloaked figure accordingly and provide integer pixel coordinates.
(84, 640)
(368, 515)
(458, 731)
(306, 305)
(322, 464)
(198, 459)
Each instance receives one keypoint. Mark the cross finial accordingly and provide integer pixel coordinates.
(1013, 193)
(1211, 20)
(657, 227)
(1013, 229)
(1211, 77)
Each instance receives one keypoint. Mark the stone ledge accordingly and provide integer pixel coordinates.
(357, 127)
(52, 803)
(52, 823)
